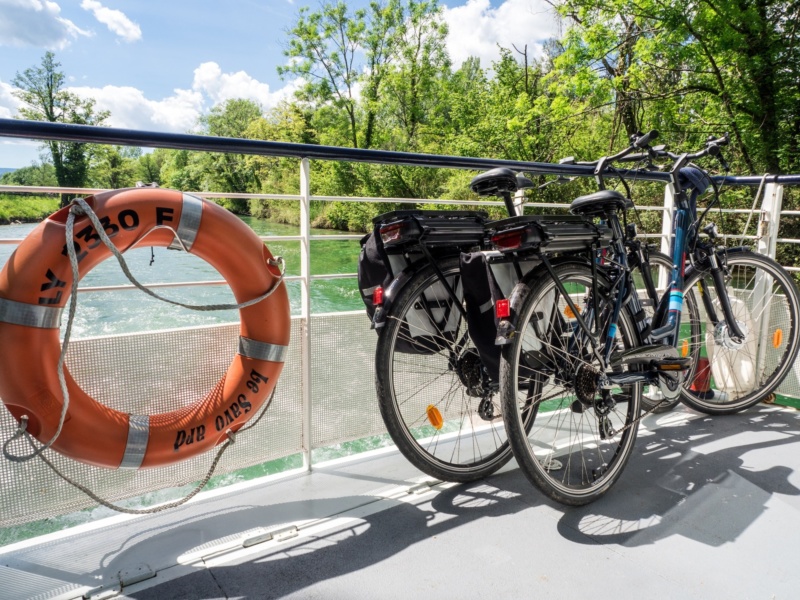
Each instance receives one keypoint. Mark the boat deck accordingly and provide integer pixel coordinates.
(707, 508)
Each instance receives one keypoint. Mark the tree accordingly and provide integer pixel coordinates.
(413, 84)
(148, 167)
(42, 91)
(231, 172)
(342, 55)
(35, 175)
(114, 167)
(686, 66)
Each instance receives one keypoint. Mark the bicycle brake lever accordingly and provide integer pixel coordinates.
(723, 162)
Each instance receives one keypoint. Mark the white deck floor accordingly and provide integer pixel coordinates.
(707, 508)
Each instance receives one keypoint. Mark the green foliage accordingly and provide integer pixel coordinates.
(40, 89)
(380, 77)
(114, 167)
(148, 167)
(35, 175)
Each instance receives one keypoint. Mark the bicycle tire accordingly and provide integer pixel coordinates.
(745, 375)
(564, 453)
(464, 446)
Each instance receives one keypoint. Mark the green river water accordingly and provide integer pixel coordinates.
(102, 313)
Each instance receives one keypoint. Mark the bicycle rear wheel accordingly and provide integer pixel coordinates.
(437, 401)
(732, 375)
(581, 436)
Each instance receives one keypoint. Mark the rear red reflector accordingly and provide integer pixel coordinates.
(392, 233)
(377, 296)
(502, 309)
(508, 240)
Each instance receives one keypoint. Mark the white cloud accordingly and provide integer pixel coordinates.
(219, 87)
(115, 20)
(179, 113)
(36, 23)
(476, 29)
(130, 109)
(8, 103)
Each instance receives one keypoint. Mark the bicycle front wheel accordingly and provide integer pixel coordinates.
(436, 398)
(581, 436)
(731, 375)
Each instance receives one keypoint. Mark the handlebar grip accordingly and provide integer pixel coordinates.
(645, 139)
(723, 141)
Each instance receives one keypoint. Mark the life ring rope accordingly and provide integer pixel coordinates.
(184, 239)
(175, 503)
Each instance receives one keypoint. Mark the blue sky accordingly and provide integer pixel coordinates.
(158, 66)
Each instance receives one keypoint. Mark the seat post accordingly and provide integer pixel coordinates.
(509, 204)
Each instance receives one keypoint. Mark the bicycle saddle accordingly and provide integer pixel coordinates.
(498, 181)
(599, 203)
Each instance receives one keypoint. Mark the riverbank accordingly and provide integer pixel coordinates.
(25, 209)
(17, 208)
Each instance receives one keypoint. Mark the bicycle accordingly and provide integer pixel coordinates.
(438, 388)
(439, 403)
(579, 352)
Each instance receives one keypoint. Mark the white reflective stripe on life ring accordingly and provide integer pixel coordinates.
(30, 315)
(262, 350)
(138, 435)
(191, 214)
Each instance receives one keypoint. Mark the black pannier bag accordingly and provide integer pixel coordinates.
(481, 292)
(374, 269)
(381, 260)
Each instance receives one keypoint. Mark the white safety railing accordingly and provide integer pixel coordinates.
(310, 361)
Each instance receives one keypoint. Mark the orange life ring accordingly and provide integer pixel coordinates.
(34, 288)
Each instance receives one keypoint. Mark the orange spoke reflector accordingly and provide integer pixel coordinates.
(777, 338)
(569, 313)
(685, 348)
(435, 417)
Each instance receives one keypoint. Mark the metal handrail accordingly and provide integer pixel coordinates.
(16, 128)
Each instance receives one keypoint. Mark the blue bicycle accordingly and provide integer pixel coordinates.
(582, 347)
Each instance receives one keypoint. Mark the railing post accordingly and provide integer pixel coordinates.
(519, 203)
(768, 223)
(770, 219)
(305, 307)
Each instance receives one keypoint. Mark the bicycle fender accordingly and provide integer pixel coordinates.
(391, 292)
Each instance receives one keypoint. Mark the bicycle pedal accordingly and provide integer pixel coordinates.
(672, 364)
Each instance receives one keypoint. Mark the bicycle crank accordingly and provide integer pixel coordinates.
(655, 363)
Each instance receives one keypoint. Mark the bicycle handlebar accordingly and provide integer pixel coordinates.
(641, 142)
(638, 142)
(712, 149)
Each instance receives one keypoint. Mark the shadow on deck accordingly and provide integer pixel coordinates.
(707, 507)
